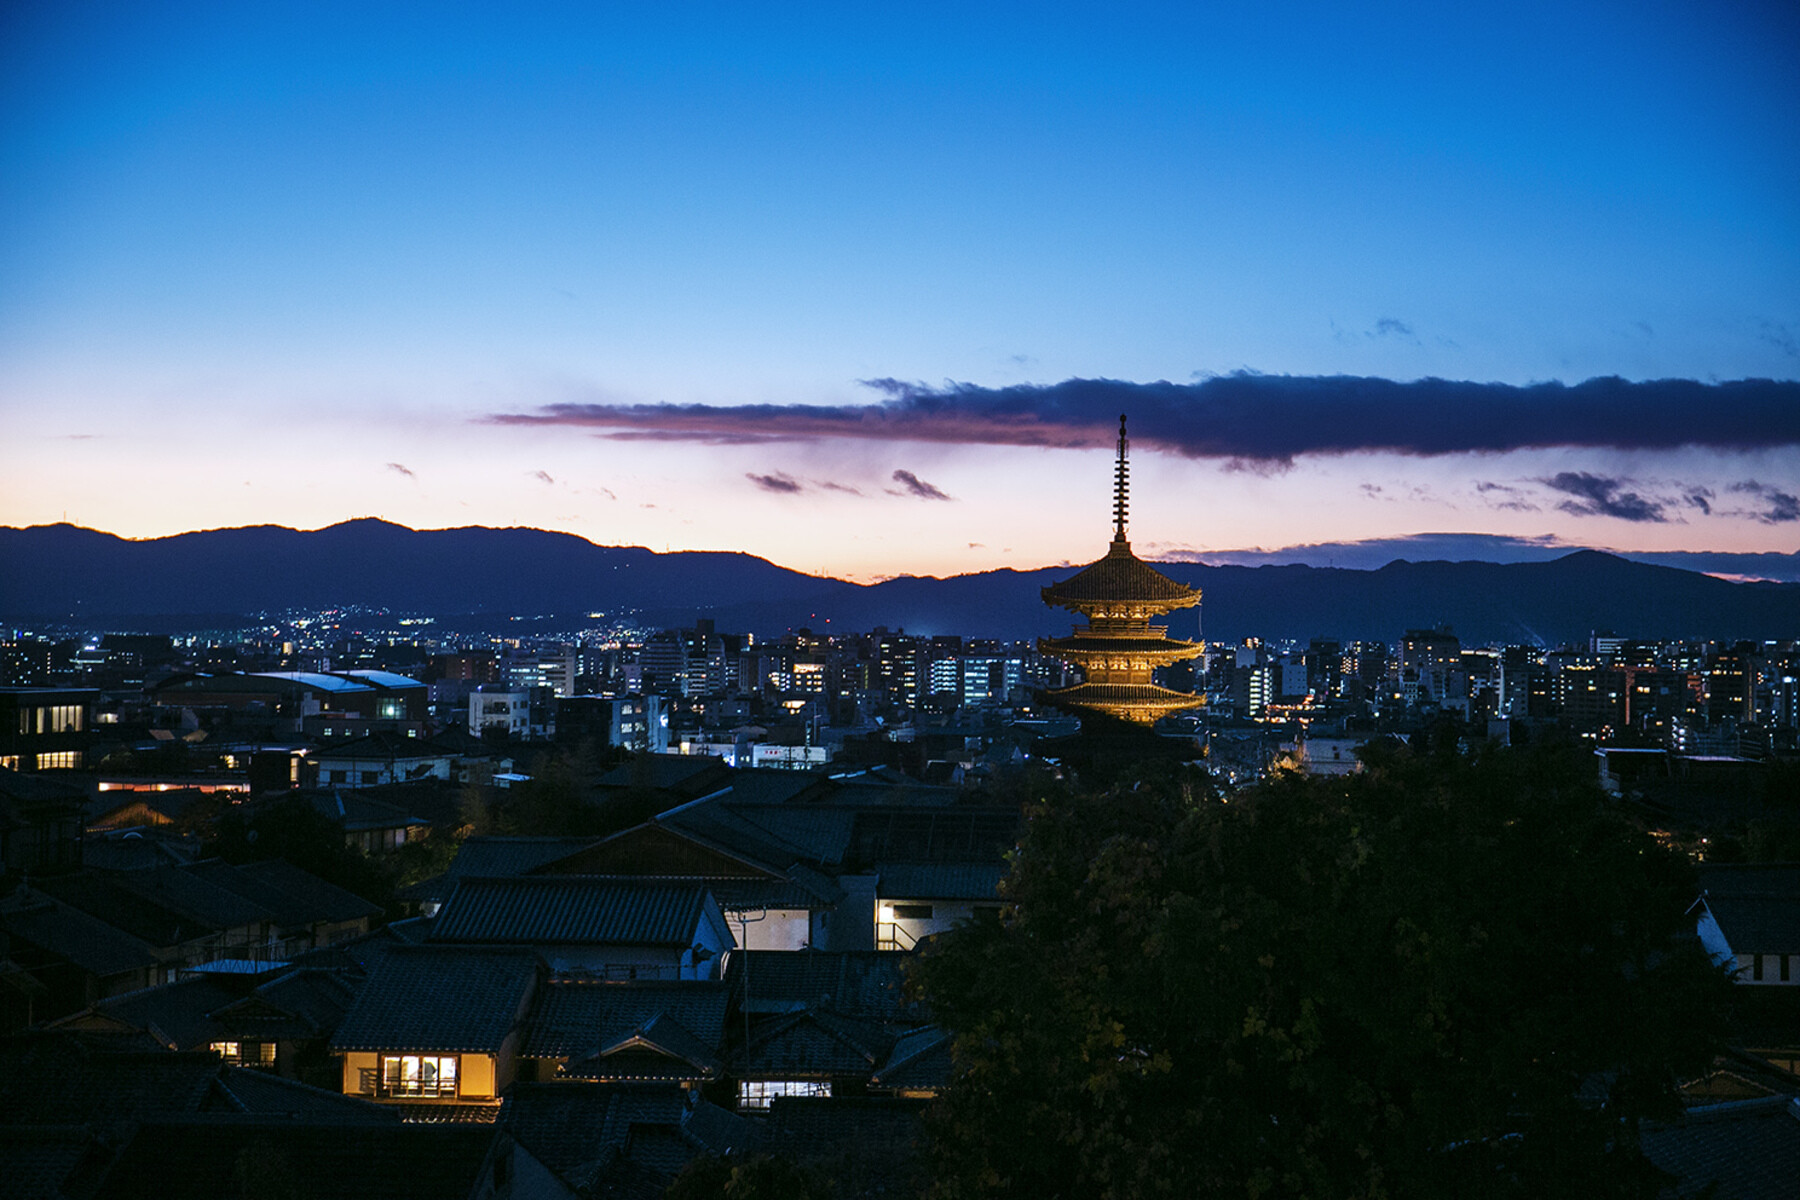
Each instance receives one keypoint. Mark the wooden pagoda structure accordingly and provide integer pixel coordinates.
(1118, 648)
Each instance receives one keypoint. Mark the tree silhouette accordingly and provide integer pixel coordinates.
(1445, 976)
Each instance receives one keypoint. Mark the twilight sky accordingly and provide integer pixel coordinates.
(863, 290)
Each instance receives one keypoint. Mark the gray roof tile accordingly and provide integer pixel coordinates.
(445, 999)
(577, 1017)
(552, 910)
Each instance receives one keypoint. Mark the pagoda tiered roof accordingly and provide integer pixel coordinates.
(1118, 649)
(1120, 578)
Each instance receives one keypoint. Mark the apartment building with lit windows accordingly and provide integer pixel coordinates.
(45, 729)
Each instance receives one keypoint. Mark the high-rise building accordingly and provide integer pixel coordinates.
(1118, 648)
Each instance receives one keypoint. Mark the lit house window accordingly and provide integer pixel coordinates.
(419, 1075)
(755, 1094)
(246, 1054)
(59, 760)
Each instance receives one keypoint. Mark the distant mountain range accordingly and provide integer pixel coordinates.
(67, 574)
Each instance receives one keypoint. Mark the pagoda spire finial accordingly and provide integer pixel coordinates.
(1121, 484)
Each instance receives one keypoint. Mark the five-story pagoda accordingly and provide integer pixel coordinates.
(1118, 648)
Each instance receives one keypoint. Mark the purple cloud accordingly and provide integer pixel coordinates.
(914, 486)
(1782, 507)
(402, 470)
(1598, 496)
(1243, 416)
(779, 483)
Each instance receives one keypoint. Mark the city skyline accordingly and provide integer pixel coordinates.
(864, 296)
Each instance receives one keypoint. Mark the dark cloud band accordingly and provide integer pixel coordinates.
(1244, 416)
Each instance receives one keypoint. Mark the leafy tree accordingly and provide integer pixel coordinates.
(293, 830)
(747, 1177)
(1442, 977)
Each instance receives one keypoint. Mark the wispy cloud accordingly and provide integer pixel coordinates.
(1599, 496)
(780, 484)
(402, 469)
(1243, 416)
(1504, 496)
(914, 486)
(1393, 327)
(542, 477)
(1781, 337)
(1779, 507)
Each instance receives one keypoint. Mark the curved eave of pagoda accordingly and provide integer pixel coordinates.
(1119, 610)
(1120, 579)
(1121, 697)
(1158, 652)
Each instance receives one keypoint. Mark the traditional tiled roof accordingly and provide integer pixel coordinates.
(304, 1002)
(54, 1079)
(72, 935)
(684, 776)
(293, 898)
(1758, 924)
(920, 1059)
(720, 1131)
(100, 895)
(1121, 576)
(443, 999)
(584, 1132)
(964, 834)
(307, 893)
(494, 857)
(21, 791)
(940, 881)
(744, 832)
(180, 890)
(860, 983)
(749, 895)
(1748, 1150)
(811, 1044)
(662, 1049)
(178, 1014)
(261, 1092)
(354, 809)
(576, 1017)
(549, 910)
(50, 1160)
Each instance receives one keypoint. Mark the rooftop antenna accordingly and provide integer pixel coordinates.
(1121, 484)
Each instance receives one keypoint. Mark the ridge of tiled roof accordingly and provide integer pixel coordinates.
(666, 1035)
(544, 910)
(78, 937)
(572, 1017)
(445, 999)
(941, 881)
(308, 892)
(859, 983)
(920, 1059)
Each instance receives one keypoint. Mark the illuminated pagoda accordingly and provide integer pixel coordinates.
(1118, 648)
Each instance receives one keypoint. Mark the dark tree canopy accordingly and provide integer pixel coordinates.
(1446, 976)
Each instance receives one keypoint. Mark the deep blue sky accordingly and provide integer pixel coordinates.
(284, 262)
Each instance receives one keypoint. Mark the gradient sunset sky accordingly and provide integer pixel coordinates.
(863, 289)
